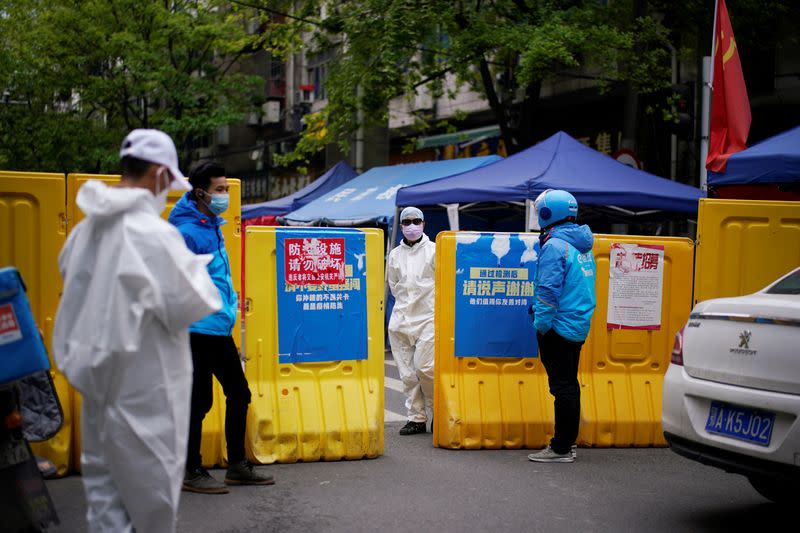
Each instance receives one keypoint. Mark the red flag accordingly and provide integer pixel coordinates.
(730, 107)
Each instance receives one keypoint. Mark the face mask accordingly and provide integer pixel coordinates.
(219, 203)
(160, 196)
(412, 232)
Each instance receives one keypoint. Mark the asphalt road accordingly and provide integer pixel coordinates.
(416, 487)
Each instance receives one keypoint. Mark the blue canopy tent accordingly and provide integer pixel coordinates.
(773, 161)
(338, 174)
(370, 198)
(559, 162)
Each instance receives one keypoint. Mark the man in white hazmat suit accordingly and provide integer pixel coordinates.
(410, 274)
(131, 289)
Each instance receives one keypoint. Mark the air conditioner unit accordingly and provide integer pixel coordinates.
(272, 112)
(253, 119)
(305, 95)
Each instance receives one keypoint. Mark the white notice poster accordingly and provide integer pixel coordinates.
(635, 286)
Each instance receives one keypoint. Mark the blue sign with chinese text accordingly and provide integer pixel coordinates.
(495, 276)
(322, 295)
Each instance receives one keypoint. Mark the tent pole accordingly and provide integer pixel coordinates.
(393, 233)
(528, 209)
(389, 247)
(452, 216)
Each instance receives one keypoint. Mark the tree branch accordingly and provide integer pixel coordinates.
(276, 12)
(523, 7)
(494, 103)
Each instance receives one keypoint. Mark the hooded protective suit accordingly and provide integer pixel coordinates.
(131, 289)
(410, 274)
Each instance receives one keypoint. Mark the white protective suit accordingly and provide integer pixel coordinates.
(131, 289)
(410, 274)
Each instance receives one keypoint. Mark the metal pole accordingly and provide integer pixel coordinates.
(705, 120)
(528, 211)
(389, 248)
(673, 141)
(393, 233)
(708, 87)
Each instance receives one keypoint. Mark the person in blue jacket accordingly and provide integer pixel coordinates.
(197, 217)
(564, 301)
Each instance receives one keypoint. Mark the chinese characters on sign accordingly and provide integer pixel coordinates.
(635, 287)
(494, 288)
(497, 286)
(321, 295)
(314, 261)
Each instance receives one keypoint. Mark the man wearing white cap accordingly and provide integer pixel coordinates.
(410, 274)
(131, 289)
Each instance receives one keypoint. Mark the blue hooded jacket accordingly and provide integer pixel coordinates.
(204, 236)
(564, 297)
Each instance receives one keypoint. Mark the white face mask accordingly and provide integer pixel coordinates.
(412, 232)
(160, 196)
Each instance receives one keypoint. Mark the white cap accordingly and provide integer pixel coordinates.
(412, 213)
(156, 147)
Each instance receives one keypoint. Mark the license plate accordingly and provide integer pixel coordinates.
(741, 423)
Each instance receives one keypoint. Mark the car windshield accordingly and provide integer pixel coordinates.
(788, 285)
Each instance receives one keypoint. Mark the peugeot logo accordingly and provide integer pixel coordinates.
(744, 339)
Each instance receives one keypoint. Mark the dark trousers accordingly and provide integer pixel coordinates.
(560, 359)
(217, 355)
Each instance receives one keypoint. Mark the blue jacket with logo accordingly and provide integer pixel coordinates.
(203, 236)
(564, 297)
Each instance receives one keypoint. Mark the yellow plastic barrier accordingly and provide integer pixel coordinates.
(744, 245)
(311, 411)
(32, 231)
(505, 402)
(213, 440)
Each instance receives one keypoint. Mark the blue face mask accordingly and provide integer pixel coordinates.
(219, 203)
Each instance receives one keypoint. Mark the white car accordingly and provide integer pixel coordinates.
(732, 390)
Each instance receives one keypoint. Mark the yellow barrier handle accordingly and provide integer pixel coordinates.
(258, 368)
(458, 363)
(365, 364)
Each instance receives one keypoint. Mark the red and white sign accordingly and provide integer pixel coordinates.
(627, 157)
(635, 287)
(314, 261)
(9, 325)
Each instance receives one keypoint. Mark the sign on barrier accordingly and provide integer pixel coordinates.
(316, 373)
(493, 402)
(322, 295)
(495, 276)
(635, 288)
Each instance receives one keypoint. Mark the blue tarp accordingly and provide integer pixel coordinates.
(337, 175)
(371, 196)
(559, 162)
(773, 161)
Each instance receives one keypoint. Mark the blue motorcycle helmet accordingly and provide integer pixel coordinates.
(554, 206)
